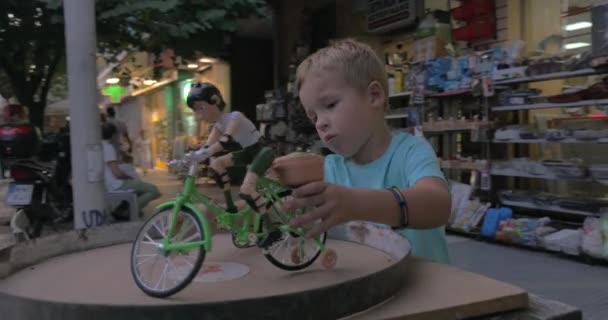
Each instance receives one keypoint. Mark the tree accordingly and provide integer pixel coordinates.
(33, 44)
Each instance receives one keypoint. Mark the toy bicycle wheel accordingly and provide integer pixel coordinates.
(160, 273)
(293, 252)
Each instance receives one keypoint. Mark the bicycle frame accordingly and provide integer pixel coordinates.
(269, 188)
(188, 198)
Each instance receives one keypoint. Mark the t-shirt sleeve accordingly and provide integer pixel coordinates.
(109, 154)
(329, 170)
(420, 162)
(222, 125)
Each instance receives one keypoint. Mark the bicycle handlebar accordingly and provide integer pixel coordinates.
(182, 165)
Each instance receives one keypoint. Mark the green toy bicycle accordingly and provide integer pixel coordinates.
(171, 245)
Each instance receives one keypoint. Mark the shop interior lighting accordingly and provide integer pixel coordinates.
(192, 66)
(206, 60)
(149, 82)
(578, 25)
(112, 81)
(576, 45)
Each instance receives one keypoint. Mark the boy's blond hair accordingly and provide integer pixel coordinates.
(355, 61)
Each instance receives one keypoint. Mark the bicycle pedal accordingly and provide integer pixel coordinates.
(272, 237)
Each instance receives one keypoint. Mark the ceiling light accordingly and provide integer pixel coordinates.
(112, 81)
(578, 25)
(576, 45)
(149, 82)
(192, 66)
(206, 60)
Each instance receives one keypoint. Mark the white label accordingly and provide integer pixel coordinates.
(20, 194)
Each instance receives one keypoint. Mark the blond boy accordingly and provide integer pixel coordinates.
(343, 89)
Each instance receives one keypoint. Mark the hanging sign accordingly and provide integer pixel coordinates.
(115, 93)
(385, 15)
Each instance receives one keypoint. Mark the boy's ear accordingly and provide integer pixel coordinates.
(376, 95)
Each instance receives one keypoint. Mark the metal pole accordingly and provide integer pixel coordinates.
(87, 157)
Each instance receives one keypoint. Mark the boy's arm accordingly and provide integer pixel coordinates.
(428, 204)
(428, 199)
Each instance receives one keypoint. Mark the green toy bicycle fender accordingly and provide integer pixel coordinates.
(201, 217)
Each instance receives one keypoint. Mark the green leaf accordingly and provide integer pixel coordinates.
(130, 8)
(53, 4)
(229, 25)
(211, 14)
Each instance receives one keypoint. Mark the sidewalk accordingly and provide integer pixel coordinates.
(168, 185)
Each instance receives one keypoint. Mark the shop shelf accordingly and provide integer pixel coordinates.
(548, 105)
(552, 76)
(569, 140)
(401, 94)
(395, 116)
(553, 208)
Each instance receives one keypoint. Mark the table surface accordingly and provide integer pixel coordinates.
(436, 291)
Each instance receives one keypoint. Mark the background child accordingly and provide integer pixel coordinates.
(343, 89)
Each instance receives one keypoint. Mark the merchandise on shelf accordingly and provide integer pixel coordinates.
(492, 220)
(514, 132)
(448, 74)
(545, 201)
(593, 241)
(470, 216)
(596, 91)
(522, 231)
(517, 97)
(567, 241)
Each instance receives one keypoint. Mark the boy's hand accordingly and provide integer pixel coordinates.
(331, 203)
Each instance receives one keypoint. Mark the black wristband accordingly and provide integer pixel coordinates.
(403, 210)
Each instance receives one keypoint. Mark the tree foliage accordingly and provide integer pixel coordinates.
(33, 43)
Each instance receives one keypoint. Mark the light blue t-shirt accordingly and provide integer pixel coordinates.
(407, 160)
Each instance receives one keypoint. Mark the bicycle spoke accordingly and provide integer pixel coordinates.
(190, 238)
(188, 261)
(176, 273)
(150, 240)
(159, 231)
(139, 263)
(184, 230)
(161, 277)
(160, 274)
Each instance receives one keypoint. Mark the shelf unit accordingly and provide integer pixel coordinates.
(550, 76)
(544, 141)
(552, 208)
(550, 211)
(545, 176)
(549, 105)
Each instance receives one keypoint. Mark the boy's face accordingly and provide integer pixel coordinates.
(205, 111)
(344, 116)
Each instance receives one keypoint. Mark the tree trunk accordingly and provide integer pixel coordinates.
(36, 114)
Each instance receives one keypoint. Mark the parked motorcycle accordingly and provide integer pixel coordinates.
(40, 186)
